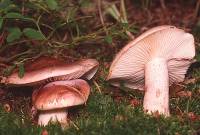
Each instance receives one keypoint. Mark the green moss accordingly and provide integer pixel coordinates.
(102, 116)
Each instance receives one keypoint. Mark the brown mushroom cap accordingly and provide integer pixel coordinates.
(167, 42)
(49, 69)
(61, 94)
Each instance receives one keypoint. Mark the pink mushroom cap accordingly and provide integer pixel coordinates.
(50, 69)
(61, 94)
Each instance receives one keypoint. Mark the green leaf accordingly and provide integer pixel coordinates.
(86, 3)
(33, 34)
(52, 4)
(114, 12)
(133, 30)
(108, 39)
(14, 34)
(7, 71)
(14, 15)
(1, 22)
(21, 70)
(5, 3)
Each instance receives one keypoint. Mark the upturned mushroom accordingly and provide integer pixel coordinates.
(46, 69)
(152, 62)
(54, 99)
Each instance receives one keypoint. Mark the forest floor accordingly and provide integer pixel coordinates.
(87, 29)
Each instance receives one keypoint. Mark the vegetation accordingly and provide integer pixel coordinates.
(94, 29)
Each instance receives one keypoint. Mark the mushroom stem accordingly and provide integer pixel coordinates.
(156, 98)
(59, 115)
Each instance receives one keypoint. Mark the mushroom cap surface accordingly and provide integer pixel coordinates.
(51, 69)
(61, 94)
(167, 42)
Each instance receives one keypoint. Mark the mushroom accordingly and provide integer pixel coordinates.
(49, 69)
(65, 89)
(54, 99)
(152, 62)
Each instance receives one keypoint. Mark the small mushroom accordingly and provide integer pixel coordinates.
(49, 69)
(152, 62)
(54, 99)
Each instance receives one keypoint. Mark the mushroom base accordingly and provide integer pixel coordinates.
(156, 98)
(53, 116)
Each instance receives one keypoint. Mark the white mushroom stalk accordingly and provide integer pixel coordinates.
(53, 116)
(156, 96)
(152, 62)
